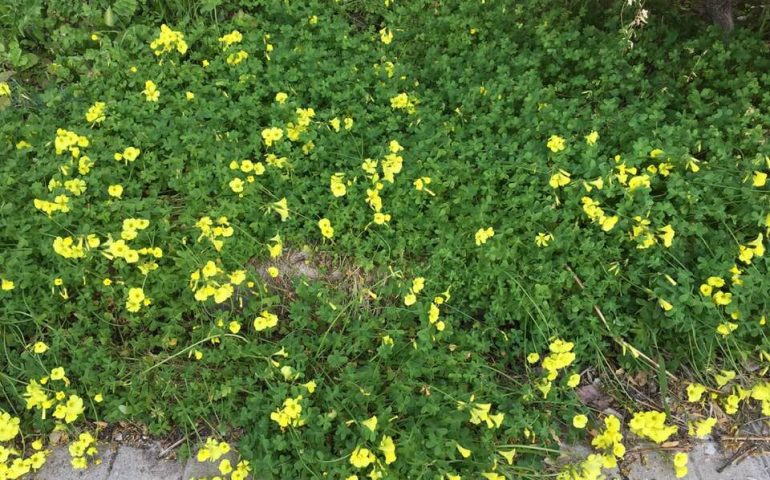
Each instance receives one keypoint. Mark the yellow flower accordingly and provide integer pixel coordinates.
(58, 373)
(592, 137)
(326, 228)
(723, 377)
(168, 40)
(386, 35)
(638, 181)
(335, 124)
(680, 464)
(400, 101)
(483, 234)
(559, 179)
(651, 425)
(410, 299)
(151, 92)
(115, 190)
(39, 347)
(702, 428)
(337, 185)
(371, 423)
(726, 328)
(542, 239)
(95, 113)
(281, 207)
(189, 95)
(388, 448)
(225, 467)
(463, 451)
(265, 320)
(231, 38)
(667, 235)
(9, 428)
(722, 298)
(759, 179)
(7, 285)
(348, 123)
(381, 218)
(665, 305)
(238, 57)
(281, 97)
(573, 380)
(579, 421)
(362, 458)
(271, 135)
(5, 89)
(273, 272)
(705, 290)
(556, 143)
(717, 282)
(533, 357)
(236, 185)
(694, 392)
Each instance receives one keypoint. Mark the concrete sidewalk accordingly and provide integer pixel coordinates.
(131, 463)
(127, 463)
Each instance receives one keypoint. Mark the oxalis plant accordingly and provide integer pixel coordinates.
(383, 241)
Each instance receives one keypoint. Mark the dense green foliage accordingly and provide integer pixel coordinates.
(489, 86)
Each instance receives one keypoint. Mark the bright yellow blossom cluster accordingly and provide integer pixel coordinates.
(610, 441)
(168, 40)
(67, 141)
(326, 228)
(337, 184)
(151, 92)
(403, 102)
(214, 231)
(212, 450)
(434, 311)
(13, 465)
(265, 320)
(481, 412)
(754, 248)
(67, 248)
(230, 38)
(417, 285)
(5, 89)
(271, 135)
(129, 154)
(95, 113)
(303, 120)
(362, 457)
(246, 166)
(559, 179)
(81, 450)
(596, 214)
(211, 281)
(289, 414)
(60, 204)
(421, 184)
(680, 465)
(483, 234)
(237, 57)
(556, 143)
(652, 426)
(646, 237)
(136, 299)
(701, 428)
(6, 285)
(386, 35)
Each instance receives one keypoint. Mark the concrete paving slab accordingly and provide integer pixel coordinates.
(58, 467)
(132, 463)
(704, 460)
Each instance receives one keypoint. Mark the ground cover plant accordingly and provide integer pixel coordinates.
(379, 240)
